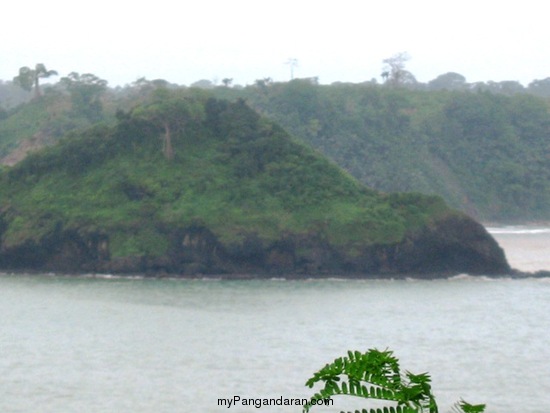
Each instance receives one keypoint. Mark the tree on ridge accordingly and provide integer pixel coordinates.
(30, 78)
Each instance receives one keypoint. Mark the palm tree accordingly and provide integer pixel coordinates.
(30, 78)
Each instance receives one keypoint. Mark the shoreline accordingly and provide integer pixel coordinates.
(514, 275)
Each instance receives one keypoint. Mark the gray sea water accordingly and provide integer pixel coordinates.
(90, 344)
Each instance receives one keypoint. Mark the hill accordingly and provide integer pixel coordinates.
(40, 122)
(487, 154)
(188, 184)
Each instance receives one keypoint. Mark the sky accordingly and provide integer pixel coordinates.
(336, 41)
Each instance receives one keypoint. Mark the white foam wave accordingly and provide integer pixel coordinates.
(518, 230)
(468, 277)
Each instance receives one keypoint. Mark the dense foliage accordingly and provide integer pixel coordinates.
(483, 148)
(45, 120)
(231, 171)
(377, 375)
(487, 154)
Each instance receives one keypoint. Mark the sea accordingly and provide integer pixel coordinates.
(102, 343)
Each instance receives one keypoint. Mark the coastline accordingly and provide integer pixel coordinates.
(514, 275)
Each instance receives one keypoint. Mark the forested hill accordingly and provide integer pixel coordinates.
(487, 154)
(187, 184)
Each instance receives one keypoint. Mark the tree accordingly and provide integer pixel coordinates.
(203, 84)
(263, 83)
(145, 85)
(12, 95)
(540, 87)
(227, 81)
(448, 81)
(508, 87)
(86, 91)
(30, 78)
(408, 79)
(394, 69)
(172, 111)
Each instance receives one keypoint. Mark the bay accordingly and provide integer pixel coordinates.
(108, 344)
(527, 247)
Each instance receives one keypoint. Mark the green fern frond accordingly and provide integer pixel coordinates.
(376, 375)
(465, 407)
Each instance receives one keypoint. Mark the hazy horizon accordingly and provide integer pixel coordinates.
(246, 40)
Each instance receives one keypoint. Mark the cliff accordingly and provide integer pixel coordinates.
(196, 251)
(188, 185)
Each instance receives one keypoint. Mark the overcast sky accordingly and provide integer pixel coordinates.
(184, 41)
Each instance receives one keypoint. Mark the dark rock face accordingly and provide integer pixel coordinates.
(64, 251)
(456, 244)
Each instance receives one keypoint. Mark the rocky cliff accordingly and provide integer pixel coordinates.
(449, 246)
(189, 185)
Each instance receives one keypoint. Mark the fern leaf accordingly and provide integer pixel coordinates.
(324, 393)
(463, 406)
(389, 394)
(372, 393)
(344, 387)
(332, 388)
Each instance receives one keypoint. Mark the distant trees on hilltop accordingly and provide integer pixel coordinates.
(29, 78)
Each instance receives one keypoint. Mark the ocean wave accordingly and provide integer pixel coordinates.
(468, 277)
(105, 276)
(518, 230)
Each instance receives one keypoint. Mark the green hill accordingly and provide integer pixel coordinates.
(485, 153)
(189, 184)
(38, 123)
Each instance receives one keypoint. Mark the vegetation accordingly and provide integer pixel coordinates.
(85, 92)
(482, 147)
(37, 124)
(230, 170)
(11, 95)
(377, 375)
(29, 78)
(484, 153)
